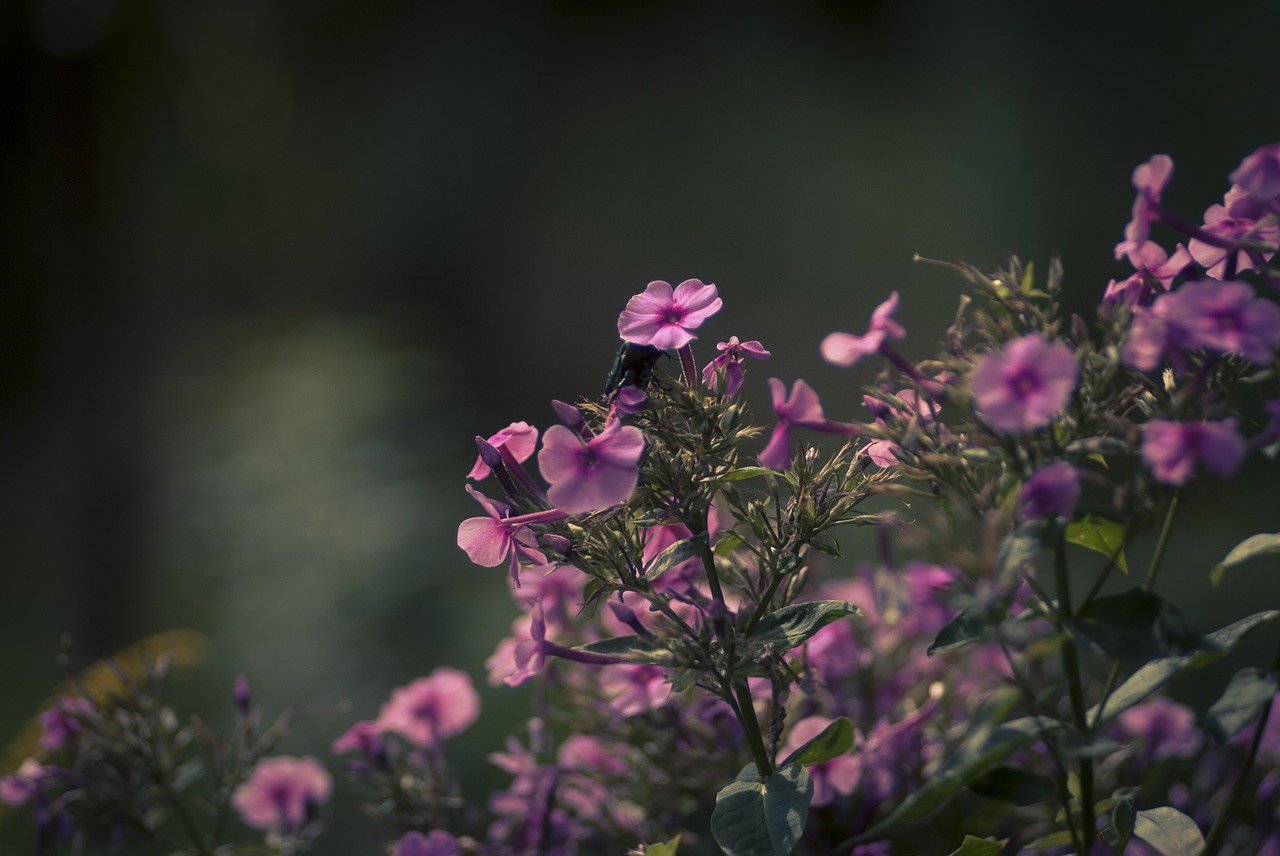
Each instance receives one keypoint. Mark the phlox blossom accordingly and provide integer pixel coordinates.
(1173, 449)
(1223, 317)
(498, 537)
(518, 438)
(1024, 386)
(431, 709)
(18, 788)
(1259, 173)
(845, 349)
(729, 361)
(1052, 491)
(60, 723)
(801, 408)
(1163, 728)
(435, 843)
(596, 474)
(1149, 179)
(282, 793)
(1240, 217)
(663, 318)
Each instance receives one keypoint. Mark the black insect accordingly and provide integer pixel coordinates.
(632, 366)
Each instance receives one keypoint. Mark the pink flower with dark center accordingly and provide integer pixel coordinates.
(1052, 491)
(729, 362)
(1154, 267)
(1024, 386)
(519, 438)
(429, 710)
(845, 349)
(364, 735)
(282, 793)
(1259, 173)
(489, 541)
(1173, 449)
(666, 319)
(801, 408)
(1223, 317)
(435, 843)
(1240, 218)
(1149, 180)
(592, 475)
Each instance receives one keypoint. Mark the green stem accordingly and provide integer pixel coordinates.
(1075, 689)
(1163, 542)
(751, 727)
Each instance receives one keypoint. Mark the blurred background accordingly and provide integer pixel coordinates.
(267, 267)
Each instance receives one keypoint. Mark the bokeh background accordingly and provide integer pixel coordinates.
(267, 267)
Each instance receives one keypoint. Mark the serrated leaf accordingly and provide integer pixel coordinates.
(665, 848)
(792, 625)
(974, 846)
(755, 818)
(971, 625)
(1157, 673)
(727, 543)
(1099, 534)
(744, 473)
(1014, 786)
(681, 551)
(833, 741)
(1169, 831)
(631, 649)
(1251, 547)
(1246, 693)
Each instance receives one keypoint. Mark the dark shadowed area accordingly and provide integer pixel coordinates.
(267, 268)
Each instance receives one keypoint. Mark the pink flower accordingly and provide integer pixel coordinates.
(1052, 491)
(1172, 449)
(592, 475)
(665, 319)
(1223, 317)
(431, 709)
(845, 349)
(519, 438)
(1259, 173)
(1164, 729)
(1240, 218)
(801, 408)
(282, 793)
(729, 361)
(18, 788)
(1154, 266)
(363, 735)
(435, 843)
(60, 722)
(635, 689)
(1149, 180)
(1024, 386)
(489, 541)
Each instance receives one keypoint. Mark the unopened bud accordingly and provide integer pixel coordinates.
(241, 696)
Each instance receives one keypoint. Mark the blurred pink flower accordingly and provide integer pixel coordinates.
(282, 793)
(431, 709)
(1173, 449)
(1052, 491)
(1149, 180)
(435, 843)
(845, 349)
(1024, 386)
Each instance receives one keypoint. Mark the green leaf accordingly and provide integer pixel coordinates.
(666, 848)
(1123, 818)
(971, 625)
(1099, 534)
(1080, 747)
(1136, 624)
(744, 473)
(1061, 838)
(1247, 692)
(681, 551)
(974, 846)
(632, 649)
(1169, 831)
(792, 625)
(727, 543)
(763, 818)
(1014, 786)
(1255, 545)
(832, 742)
(1157, 673)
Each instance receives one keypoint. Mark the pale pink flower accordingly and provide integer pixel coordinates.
(666, 319)
(1173, 449)
(498, 537)
(596, 474)
(518, 438)
(282, 793)
(1241, 217)
(1024, 386)
(18, 788)
(429, 710)
(61, 723)
(845, 349)
(1259, 173)
(802, 409)
(1149, 180)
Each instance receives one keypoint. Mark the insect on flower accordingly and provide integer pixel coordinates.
(633, 366)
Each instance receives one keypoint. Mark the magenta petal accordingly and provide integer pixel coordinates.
(558, 459)
(845, 349)
(777, 454)
(485, 541)
(803, 407)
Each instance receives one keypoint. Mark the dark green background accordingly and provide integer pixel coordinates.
(267, 267)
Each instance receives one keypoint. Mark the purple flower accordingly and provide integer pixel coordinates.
(666, 319)
(489, 541)
(1172, 449)
(801, 408)
(1259, 173)
(61, 723)
(431, 709)
(1165, 728)
(1241, 218)
(1223, 317)
(18, 788)
(1052, 491)
(282, 793)
(729, 362)
(363, 735)
(592, 475)
(845, 349)
(1025, 385)
(519, 438)
(436, 843)
(1154, 267)
(1149, 180)
(635, 689)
